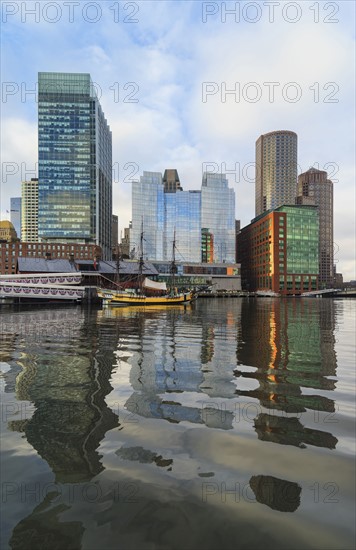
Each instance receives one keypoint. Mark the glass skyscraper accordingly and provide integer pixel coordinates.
(148, 213)
(182, 217)
(164, 212)
(75, 162)
(218, 215)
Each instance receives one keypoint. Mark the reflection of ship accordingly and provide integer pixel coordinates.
(148, 292)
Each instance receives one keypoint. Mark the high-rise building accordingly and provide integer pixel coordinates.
(315, 187)
(218, 214)
(75, 162)
(15, 214)
(148, 214)
(276, 170)
(279, 251)
(29, 211)
(183, 215)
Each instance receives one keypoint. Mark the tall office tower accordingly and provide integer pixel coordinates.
(276, 170)
(218, 214)
(171, 181)
(29, 211)
(315, 186)
(182, 220)
(148, 213)
(75, 162)
(15, 214)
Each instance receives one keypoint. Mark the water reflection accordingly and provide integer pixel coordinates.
(291, 344)
(278, 494)
(185, 371)
(68, 392)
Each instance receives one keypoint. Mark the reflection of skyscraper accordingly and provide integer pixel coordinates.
(68, 391)
(297, 351)
(205, 367)
(75, 166)
(276, 170)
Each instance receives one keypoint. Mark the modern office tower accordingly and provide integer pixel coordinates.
(15, 214)
(148, 214)
(182, 221)
(279, 251)
(315, 186)
(171, 181)
(218, 214)
(29, 211)
(75, 162)
(276, 170)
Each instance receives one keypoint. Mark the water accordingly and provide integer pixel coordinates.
(226, 424)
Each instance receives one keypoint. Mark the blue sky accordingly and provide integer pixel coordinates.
(163, 60)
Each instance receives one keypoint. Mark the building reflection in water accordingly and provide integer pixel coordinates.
(291, 344)
(65, 364)
(176, 357)
(276, 493)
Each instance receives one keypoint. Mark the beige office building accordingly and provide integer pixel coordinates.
(315, 187)
(29, 211)
(276, 170)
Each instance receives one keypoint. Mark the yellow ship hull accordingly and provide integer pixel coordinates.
(126, 298)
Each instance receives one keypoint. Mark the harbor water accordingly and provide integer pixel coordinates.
(225, 424)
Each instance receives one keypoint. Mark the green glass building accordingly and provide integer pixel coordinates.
(75, 162)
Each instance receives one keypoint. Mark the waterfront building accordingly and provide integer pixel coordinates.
(148, 215)
(10, 252)
(75, 162)
(7, 232)
(15, 214)
(220, 276)
(279, 251)
(315, 187)
(182, 221)
(218, 214)
(29, 211)
(276, 170)
(165, 215)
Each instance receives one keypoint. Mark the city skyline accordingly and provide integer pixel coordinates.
(169, 103)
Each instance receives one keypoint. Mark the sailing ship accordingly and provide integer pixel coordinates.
(149, 292)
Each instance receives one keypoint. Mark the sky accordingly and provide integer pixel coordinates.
(191, 85)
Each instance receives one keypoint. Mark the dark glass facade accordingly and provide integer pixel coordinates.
(75, 162)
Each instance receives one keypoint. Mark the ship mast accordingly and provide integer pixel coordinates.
(141, 262)
(173, 269)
